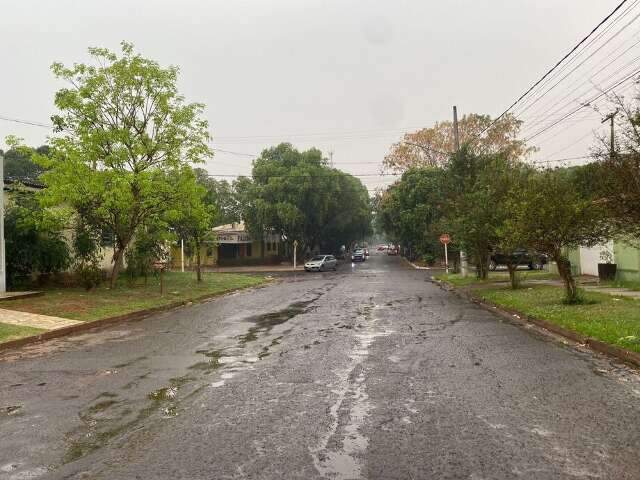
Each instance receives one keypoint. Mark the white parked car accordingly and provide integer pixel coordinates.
(320, 263)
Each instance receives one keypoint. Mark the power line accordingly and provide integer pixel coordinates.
(540, 132)
(567, 159)
(534, 124)
(25, 122)
(592, 76)
(579, 53)
(552, 69)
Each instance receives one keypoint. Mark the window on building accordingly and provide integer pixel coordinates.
(248, 249)
(209, 251)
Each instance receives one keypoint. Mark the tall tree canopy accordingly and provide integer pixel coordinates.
(297, 195)
(433, 146)
(121, 132)
(222, 195)
(410, 211)
(17, 161)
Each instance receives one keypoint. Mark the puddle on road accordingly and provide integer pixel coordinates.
(109, 416)
(339, 451)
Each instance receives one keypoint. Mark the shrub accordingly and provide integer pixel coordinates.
(86, 245)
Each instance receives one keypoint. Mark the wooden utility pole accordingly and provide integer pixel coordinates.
(456, 137)
(611, 117)
(456, 133)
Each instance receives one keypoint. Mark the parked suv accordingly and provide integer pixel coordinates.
(534, 261)
(358, 255)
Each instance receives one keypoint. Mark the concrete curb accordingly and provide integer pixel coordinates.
(417, 267)
(11, 298)
(107, 322)
(514, 316)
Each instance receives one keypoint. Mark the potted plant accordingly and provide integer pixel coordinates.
(606, 268)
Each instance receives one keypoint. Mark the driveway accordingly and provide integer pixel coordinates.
(370, 372)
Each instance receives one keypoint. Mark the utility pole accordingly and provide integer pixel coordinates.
(456, 137)
(611, 117)
(456, 133)
(295, 254)
(331, 158)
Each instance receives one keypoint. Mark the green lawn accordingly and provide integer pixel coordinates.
(607, 318)
(78, 304)
(460, 281)
(13, 332)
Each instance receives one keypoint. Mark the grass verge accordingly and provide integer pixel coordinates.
(614, 320)
(458, 280)
(14, 332)
(128, 297)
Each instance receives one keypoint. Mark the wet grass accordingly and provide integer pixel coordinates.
(458, 280)
(128, 297)
(614, 320)
(13, 332)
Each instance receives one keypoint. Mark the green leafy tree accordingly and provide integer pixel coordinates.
(297, 195)
(122, 130)
(18, 164)
(475, 199)
(194, 218)
(33, 239)
(222, 195)
(410, 212)
(553, 215)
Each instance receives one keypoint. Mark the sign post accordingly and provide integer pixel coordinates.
(182, 255)
(445, 239)
(295, 252)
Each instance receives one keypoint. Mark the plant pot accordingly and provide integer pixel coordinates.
(607, 271)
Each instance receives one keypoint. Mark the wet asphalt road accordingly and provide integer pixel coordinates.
(368, 372)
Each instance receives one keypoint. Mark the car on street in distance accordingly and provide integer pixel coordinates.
(392, 250)
(320, 263)
(366, 252)
(358, 255)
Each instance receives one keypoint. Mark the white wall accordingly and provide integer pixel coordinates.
(590, 257)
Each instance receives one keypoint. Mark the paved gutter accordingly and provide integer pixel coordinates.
(109, 321)
(627, 356)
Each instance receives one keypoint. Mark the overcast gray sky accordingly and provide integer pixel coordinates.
(343, 75)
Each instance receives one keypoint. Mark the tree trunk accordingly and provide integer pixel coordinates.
(117, 263)
(198, 262)
(564, 269)
(483, 266)
(513, 275)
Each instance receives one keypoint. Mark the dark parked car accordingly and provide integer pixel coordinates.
(532, 260)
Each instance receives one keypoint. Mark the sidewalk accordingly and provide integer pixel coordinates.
(255, 269)
(24, 319)
(590, 287)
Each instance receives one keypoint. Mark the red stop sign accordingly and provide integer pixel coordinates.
(444, 238)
